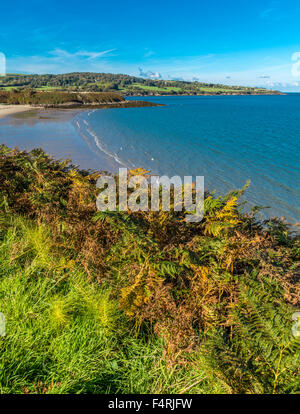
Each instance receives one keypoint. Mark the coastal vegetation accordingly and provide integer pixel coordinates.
(31, 97)
(144, 302)
(124, 84)
(66, 98)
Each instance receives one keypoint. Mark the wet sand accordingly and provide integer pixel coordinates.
(55, 132)
(6, 110)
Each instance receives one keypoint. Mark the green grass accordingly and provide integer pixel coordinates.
(199, 89)
(139, 302)
(156, 89)
(112, 82)
(48, 88)
(221, 90)
(65, 334)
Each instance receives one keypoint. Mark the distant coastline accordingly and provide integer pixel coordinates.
(13, 102)
(125, 85)
(214, 94)
(211, 136)
(67, 99)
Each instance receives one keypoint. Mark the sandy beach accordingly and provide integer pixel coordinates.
(56, 131)
(6, 110)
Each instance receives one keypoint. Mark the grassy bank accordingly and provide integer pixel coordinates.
(139, 302)
(60, 99)
(57, 98)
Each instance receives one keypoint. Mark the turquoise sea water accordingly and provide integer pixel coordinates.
(228, 139)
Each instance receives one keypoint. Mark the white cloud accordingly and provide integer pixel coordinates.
(62, 61)
(235, 69)
(149, 74)
(81, 53)
(283, 86)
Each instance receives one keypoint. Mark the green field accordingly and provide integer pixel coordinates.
(157, 89)
(128, 85)
(48, 88)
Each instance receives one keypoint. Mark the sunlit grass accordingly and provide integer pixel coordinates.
(114, 302)
(65, 334)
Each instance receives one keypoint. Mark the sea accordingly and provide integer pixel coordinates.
(226, 139)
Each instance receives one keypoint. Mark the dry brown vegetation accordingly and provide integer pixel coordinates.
(47, 98)
(225, 287)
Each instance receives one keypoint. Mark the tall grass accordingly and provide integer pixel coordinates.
(65, 334)
(139, 302)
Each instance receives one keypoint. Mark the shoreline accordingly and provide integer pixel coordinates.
(109, 160)
(7, 110)
(63, 137)
(62, 133)
(206, 94)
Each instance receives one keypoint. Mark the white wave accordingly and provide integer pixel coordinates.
(87, 134)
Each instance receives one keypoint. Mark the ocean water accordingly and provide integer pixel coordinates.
(227, 139)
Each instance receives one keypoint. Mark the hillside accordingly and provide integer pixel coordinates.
(144, 302)
(60, 98)
(125, 84)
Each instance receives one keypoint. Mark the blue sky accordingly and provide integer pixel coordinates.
(233, 41)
